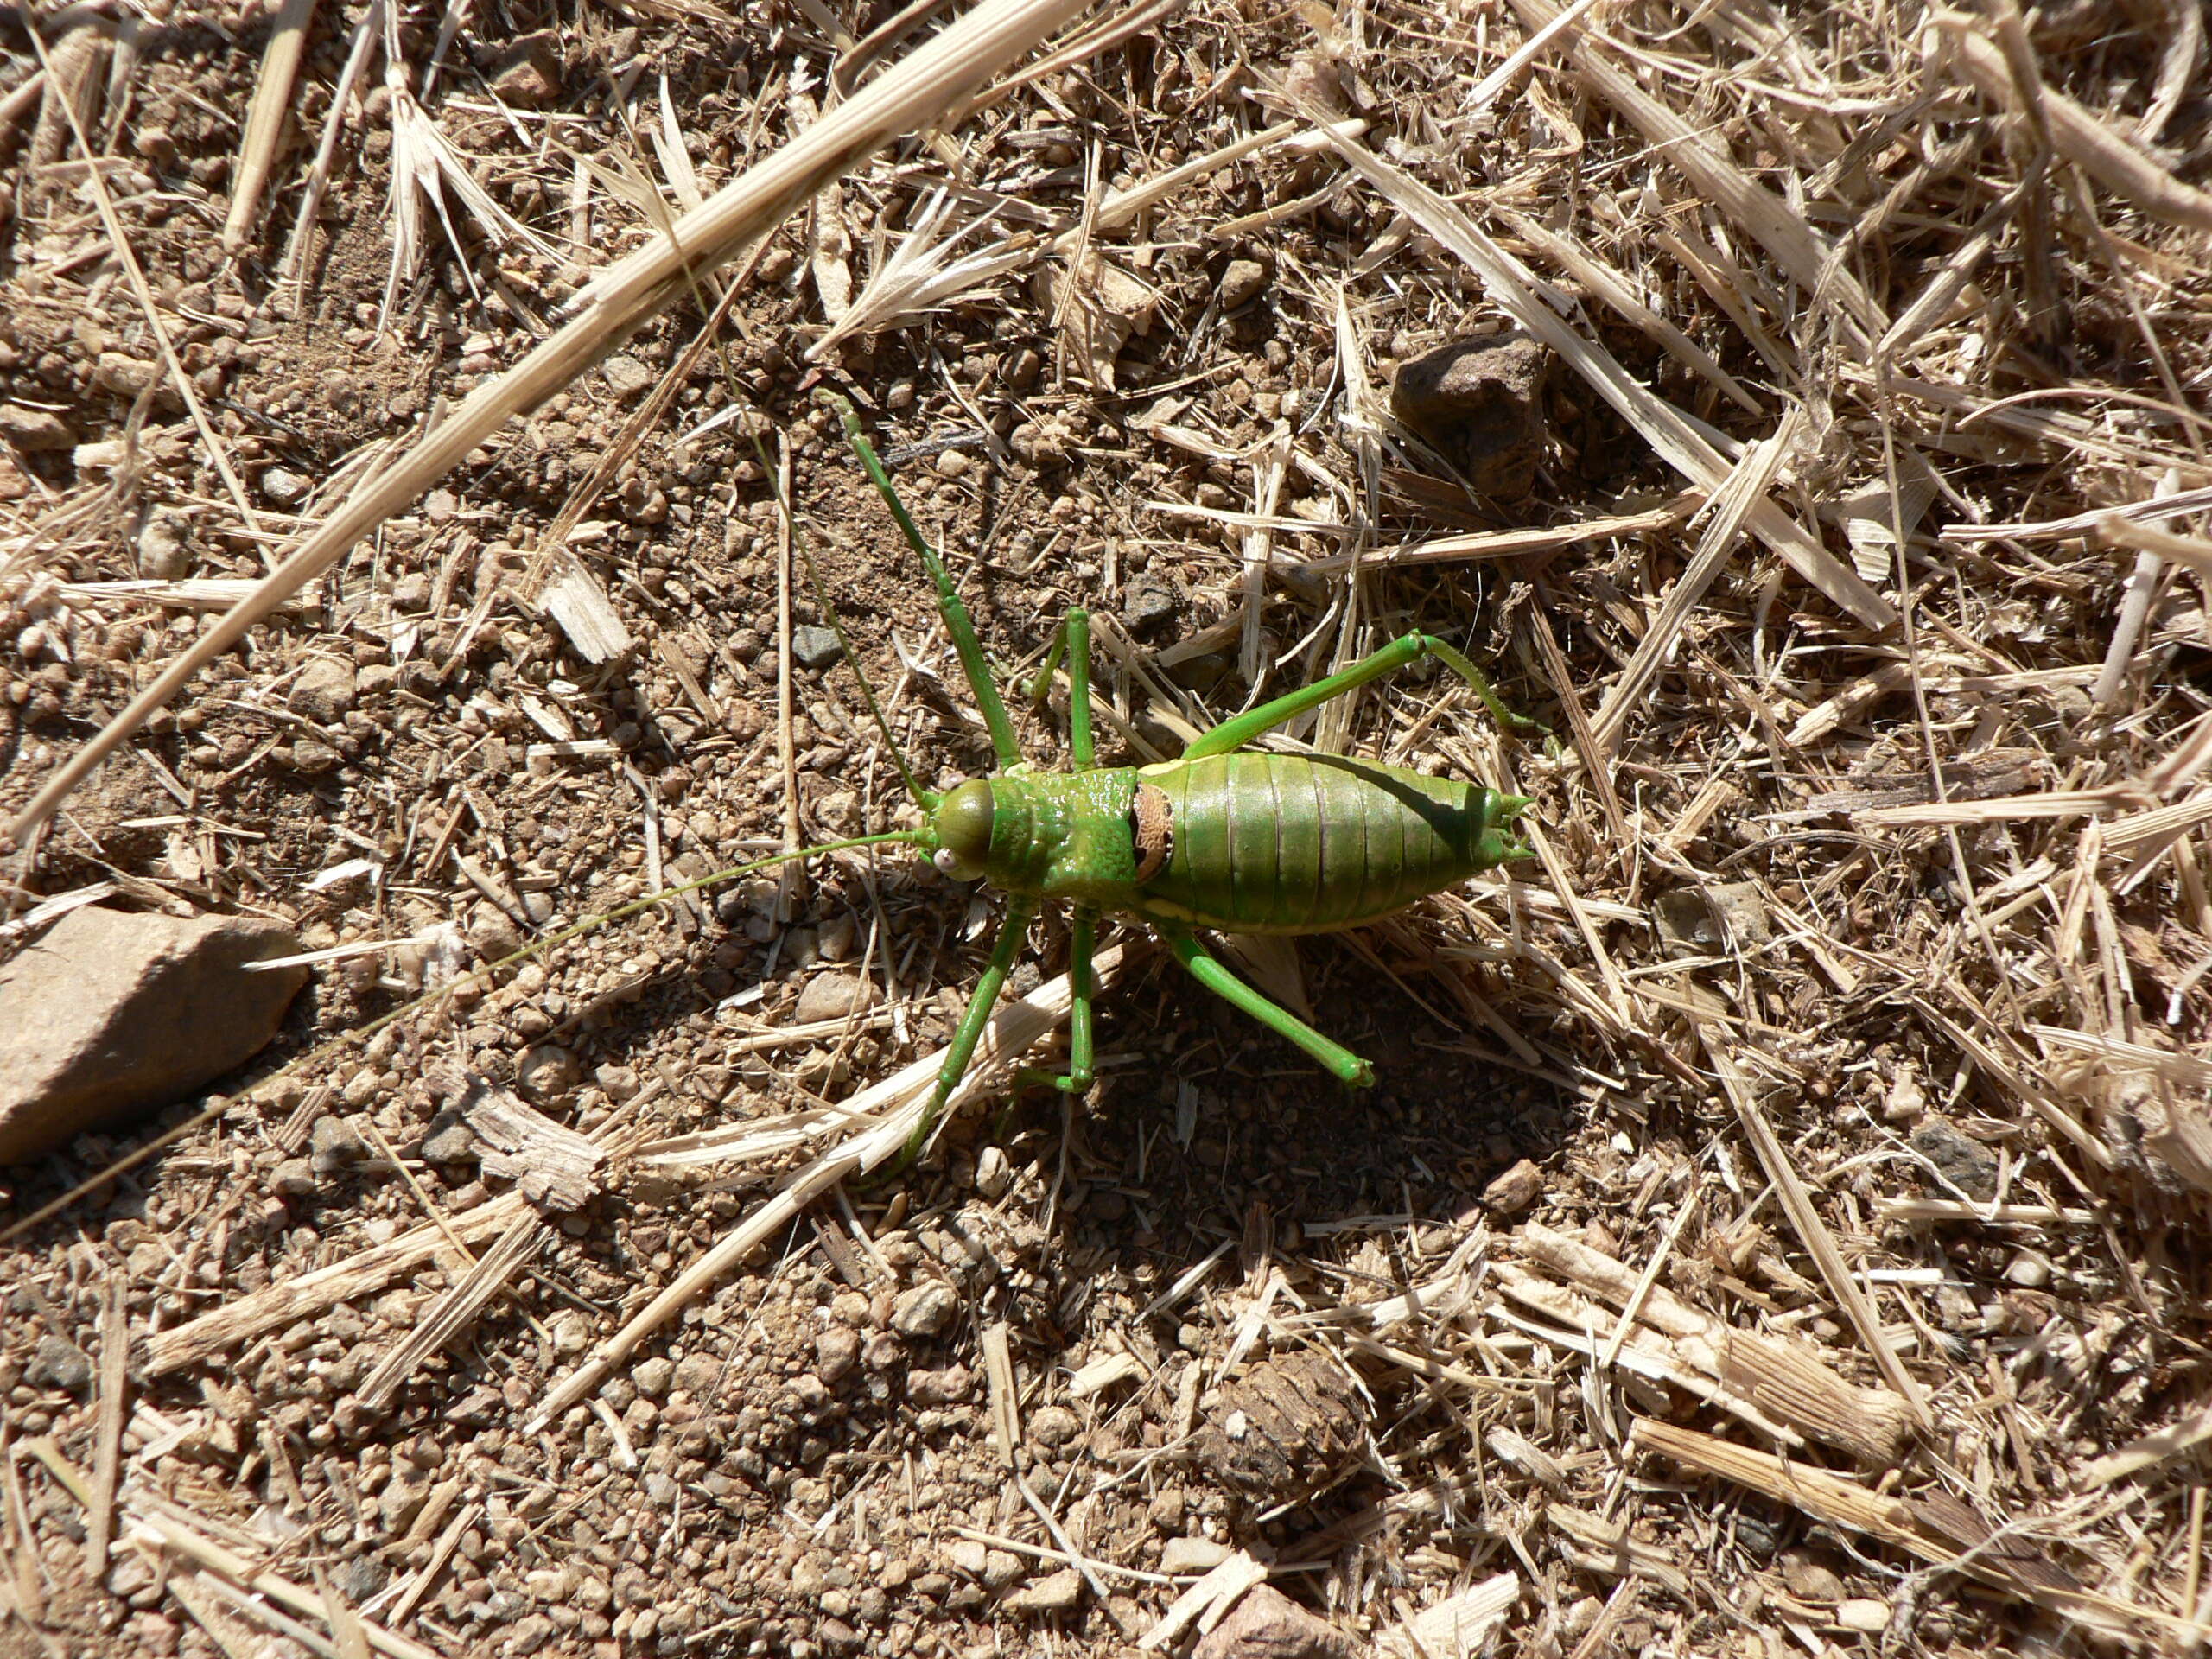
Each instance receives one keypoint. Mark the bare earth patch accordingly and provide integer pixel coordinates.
(1778, 1220)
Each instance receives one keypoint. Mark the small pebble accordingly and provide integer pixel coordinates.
(325, 690)
(1192, 1556)
(1241, 282)
(295, 1179)
(1147, 603)
(948, 1387)
(1515, 1190)
(34, 431)
(1053, 1426)
(696, 1374)
(994, 1172)
(334, 1144)
(837, 1354)
(313, 756)
(283, 487)
(833, 995)
(925, 1310)
(1058, 1593)
(651, 1378)
(815, 646)
(626, 376)
(449, 1142)
(59, 1363)
(547, 1070)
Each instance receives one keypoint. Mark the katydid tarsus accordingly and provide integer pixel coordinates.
(1222, 837)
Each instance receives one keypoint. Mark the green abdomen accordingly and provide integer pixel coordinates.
(1295, 843)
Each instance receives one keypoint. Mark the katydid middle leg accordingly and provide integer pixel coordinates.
(1074, 640)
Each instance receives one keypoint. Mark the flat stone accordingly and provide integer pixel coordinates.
(1185, 1555)
(814, 646)
(1515, 1190)
(165, 545)
(626, 376)
(57, 1363)
(1480, 402)
(833, 996)
(325, 689)
(1241, 283)
(1058, 1592)
(925, 1310)
(284, 486)
(1147, 603)
(34, 431)
(1965, 1163)
(1265, 1624)
(113, 1015)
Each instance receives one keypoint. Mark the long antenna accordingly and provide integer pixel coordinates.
(957, 621)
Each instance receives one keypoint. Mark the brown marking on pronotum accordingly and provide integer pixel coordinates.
(1153, 821)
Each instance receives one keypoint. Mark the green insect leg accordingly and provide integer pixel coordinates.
(1232, 734)
(1208, 971)
(957, 622)
(1074, 641)
(1020, 912)
(1083, 1070)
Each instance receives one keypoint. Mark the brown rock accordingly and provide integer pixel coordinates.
(1515, 1190)
(528, 71)
(1265, 1624)
(111, 1016)
(1480, 402)
(833, 996)
(34, 431)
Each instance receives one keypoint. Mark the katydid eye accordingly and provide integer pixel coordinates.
(963, 822)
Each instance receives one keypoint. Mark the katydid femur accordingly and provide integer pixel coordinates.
(1223, 838)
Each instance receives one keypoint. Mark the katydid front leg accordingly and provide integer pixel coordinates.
(1020, 911)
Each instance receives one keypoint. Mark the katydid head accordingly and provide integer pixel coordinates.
(958, 833)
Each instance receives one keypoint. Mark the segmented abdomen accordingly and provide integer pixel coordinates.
(1294, 843)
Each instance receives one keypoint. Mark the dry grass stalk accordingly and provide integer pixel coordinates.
(1944, 1532)
(1671, 434)
(265, 121)
(1784, 1378)
(165, 1534)
(341, 1282)
(1461, 1622)
(1813, 1232)
(455, 1309)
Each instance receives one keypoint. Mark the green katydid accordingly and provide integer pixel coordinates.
(1222, 837)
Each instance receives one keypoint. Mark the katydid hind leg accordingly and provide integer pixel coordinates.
(1235, 733)
(1209, 970)
(1082, 987)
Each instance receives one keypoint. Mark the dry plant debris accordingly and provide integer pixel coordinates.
(1778, 1220)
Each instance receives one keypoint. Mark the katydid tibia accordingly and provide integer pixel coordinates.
(1222, 837)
